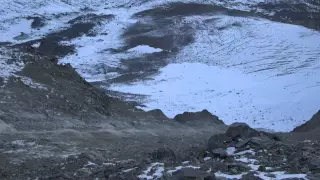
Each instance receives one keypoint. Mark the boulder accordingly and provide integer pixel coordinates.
(162, 154)
(254, 142)
(241, 130)
(219, 153)
(192, 174)
(218, 141)
(203, 116)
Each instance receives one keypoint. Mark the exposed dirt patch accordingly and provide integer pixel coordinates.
(180, 9)
(295, 13)
(91, 18)
(37, 23)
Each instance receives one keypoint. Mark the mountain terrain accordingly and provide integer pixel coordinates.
(138, 89)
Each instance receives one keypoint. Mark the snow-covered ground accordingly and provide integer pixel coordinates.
(255, 71)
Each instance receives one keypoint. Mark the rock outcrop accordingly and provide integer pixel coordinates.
(312, 124)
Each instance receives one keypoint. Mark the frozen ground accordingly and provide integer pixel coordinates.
(254, 71)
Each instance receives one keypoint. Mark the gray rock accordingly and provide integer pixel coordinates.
(241, 130)
(262, 168)
(239, 167)
(192, 174)
(233, 171)
(197, 116)
(219, 153)
(310, 125)
(218, 141)
(250, 176)
(304, 170)
(315, 176)
(163, 153)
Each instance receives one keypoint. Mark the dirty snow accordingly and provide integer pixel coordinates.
(8, 67)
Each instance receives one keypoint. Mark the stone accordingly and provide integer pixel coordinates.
(250, 176)
(241, 130)
(218, 141)
(304, 170)
(163, 153)
(192, 174)
(197, 116)
(262, 168)
(219, 153)
(239, 167)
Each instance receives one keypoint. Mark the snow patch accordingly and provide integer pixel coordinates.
(36, 45)
(281, 175)
(31, 83)
(8, 67)
(145, 49)
(231, 150)
(220, 174)
(154, 172)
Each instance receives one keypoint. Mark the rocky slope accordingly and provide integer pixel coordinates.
(54, 124)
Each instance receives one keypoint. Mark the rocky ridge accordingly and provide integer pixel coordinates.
(56, 125)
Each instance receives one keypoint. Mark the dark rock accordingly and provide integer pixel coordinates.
(218, 141)
(254, 142)
(314, 164)
(180, 9)
(157, 113)
(91, 17)
(242, 144)
(162, 154)
(202, 116)
(237, 167)
(250, 176)
(219, 153)
(192, 174)
(310, 125)
(215, 166)
(262, 168)
(294, 168)
(304, 170)
(241, 130)
(315, 176)
(1, 81)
